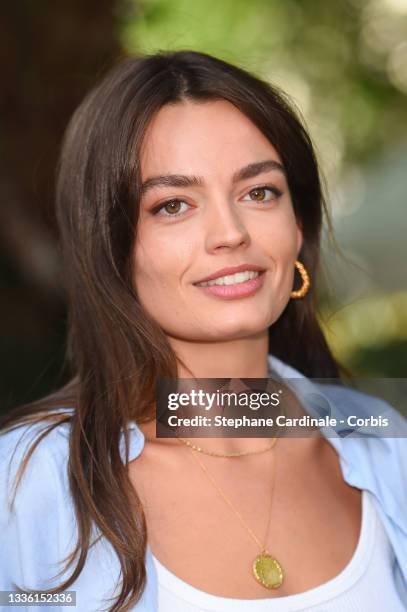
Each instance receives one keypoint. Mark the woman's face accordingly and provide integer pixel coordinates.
(211, 202)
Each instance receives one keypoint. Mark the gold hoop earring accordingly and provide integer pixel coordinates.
(303, 290)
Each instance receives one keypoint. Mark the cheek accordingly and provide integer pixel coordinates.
(146, 268)
(279, 240)
(158, 264)
(168, 250)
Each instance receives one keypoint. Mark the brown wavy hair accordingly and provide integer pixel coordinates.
(116, 351)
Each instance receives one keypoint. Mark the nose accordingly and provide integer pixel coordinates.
(225, 227)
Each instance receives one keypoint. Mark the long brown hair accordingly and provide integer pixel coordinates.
(116, 351)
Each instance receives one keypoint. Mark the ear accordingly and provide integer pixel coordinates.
(299, 237)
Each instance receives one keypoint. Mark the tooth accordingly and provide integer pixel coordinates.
(231, 279)
(240, 277)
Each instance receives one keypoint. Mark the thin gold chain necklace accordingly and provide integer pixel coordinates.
(242, 454)
(214, 454)
(266, 569)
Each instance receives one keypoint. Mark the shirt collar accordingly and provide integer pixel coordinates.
(136, 436)
(367, 461)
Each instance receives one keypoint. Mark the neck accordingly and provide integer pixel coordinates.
(237, 358)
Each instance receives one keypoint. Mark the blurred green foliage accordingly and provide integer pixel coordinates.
(343, 62)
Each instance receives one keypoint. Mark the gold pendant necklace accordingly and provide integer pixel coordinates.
(266, 569)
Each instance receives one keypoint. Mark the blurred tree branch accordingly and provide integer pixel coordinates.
(50, 55)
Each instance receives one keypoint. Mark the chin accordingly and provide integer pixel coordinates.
(238, 329)
(252, 318)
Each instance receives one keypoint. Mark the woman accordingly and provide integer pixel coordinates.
(176, 169)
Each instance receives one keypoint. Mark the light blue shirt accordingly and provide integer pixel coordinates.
(40, 530)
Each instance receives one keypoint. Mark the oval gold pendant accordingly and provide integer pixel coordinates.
(268, 571)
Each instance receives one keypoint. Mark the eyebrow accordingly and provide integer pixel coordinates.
(182, 180)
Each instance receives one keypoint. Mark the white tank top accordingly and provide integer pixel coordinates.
(366, 583)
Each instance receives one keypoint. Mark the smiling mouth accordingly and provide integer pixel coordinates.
(231, 279)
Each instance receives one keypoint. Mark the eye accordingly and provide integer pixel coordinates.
(258, 194)
(171, 206)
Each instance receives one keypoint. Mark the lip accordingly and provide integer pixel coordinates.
(230, 270)
(237, 290)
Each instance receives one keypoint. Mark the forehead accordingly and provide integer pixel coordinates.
(209, 137)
